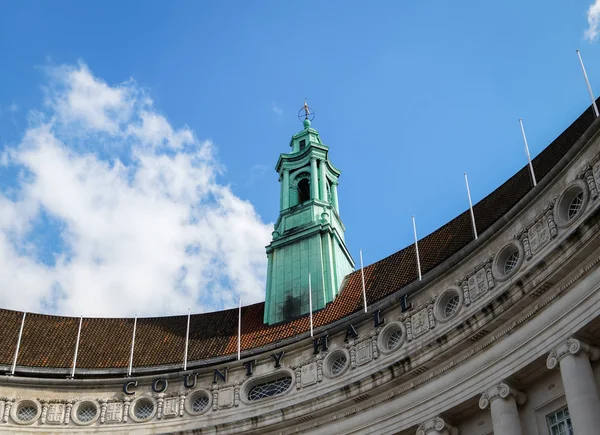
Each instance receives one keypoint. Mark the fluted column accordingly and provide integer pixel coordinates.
(502, 400)
(574, 357)
(436, 426)
(323, 180)
(334, 197)
(314, 178)
(285, 190)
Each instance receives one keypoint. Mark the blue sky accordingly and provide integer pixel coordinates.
(407, 95)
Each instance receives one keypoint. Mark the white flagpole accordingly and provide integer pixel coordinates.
(14, 366)
(240, 329)
(589, 87)
(187, 340)
(527, 152)
(417, 248)
(471, 207)
(362, 274)
(310, 304)
(132, 346)
(76, 347)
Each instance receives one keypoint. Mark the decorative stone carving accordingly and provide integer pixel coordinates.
(589, 177)
(466, 292)
(68, 408)
(159, 408)
(111, 412)
(551, 222)
(225, 399)
(420, 323)
(55, 413)
(44, 410)
(7, 406)
(572, 346)
(500, 391)
(171, 407)
(408, 326)
(436, 426)
(596, 170)
(126, 405)
(215, 399)
(526, 246)
(181, 404)
(308, 374)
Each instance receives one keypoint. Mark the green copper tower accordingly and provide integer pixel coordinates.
(309, 233)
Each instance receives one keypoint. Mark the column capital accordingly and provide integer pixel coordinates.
(500, 391)
(436, 424)
(313, 159)
(571, 346)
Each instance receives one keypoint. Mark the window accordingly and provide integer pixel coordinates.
(511, 262)
(26, 412)
(303, 191)
(302, 144)
(339, 365)
(394, 340)
(559, 422)
(576, 205)
(200, 403)
(451, 306)
(86, 412)
(448, 304)
(269, 389)
(143, 409)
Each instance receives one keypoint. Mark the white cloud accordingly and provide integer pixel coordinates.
(277, 110)
(150, 233)
(593, 16)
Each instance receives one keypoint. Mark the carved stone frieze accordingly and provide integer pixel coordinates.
(572, 346)
(226, 395)
(55, 413)
(500, 391)
(420, 323)
(309, 372)
(477, 282)
(112, 412)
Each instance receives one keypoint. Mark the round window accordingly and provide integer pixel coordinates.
(198, 402)
(336, 363)
(26, 412)
(143, 409)
(86, 412)
(508, 260)
(571, 203)
(391, 337)
(448, 304)
(339, 365)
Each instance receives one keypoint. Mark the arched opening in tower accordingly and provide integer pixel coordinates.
(303, 191)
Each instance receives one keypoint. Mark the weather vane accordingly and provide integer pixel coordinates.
(306, 113)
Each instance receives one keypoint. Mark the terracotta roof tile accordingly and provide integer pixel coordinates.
(49, 341)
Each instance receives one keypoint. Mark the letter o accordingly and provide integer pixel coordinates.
(159, 385)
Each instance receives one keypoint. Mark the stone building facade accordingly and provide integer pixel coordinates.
(501, 336)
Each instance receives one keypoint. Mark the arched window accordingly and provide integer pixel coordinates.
(303, 191)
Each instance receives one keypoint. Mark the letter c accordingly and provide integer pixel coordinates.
(127, 386)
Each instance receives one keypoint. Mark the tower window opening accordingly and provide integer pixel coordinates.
(302, 144)
(303, 191)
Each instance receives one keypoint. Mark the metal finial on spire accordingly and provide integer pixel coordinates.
(306, 114)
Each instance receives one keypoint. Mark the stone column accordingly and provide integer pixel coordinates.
(323, 180)
(314, 178)
(285, 190)
(502, 400)
(579, 383)
(334, 197)
(436, 426)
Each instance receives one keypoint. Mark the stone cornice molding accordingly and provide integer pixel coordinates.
(571, 346)
(436, 424)
(501, 391)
